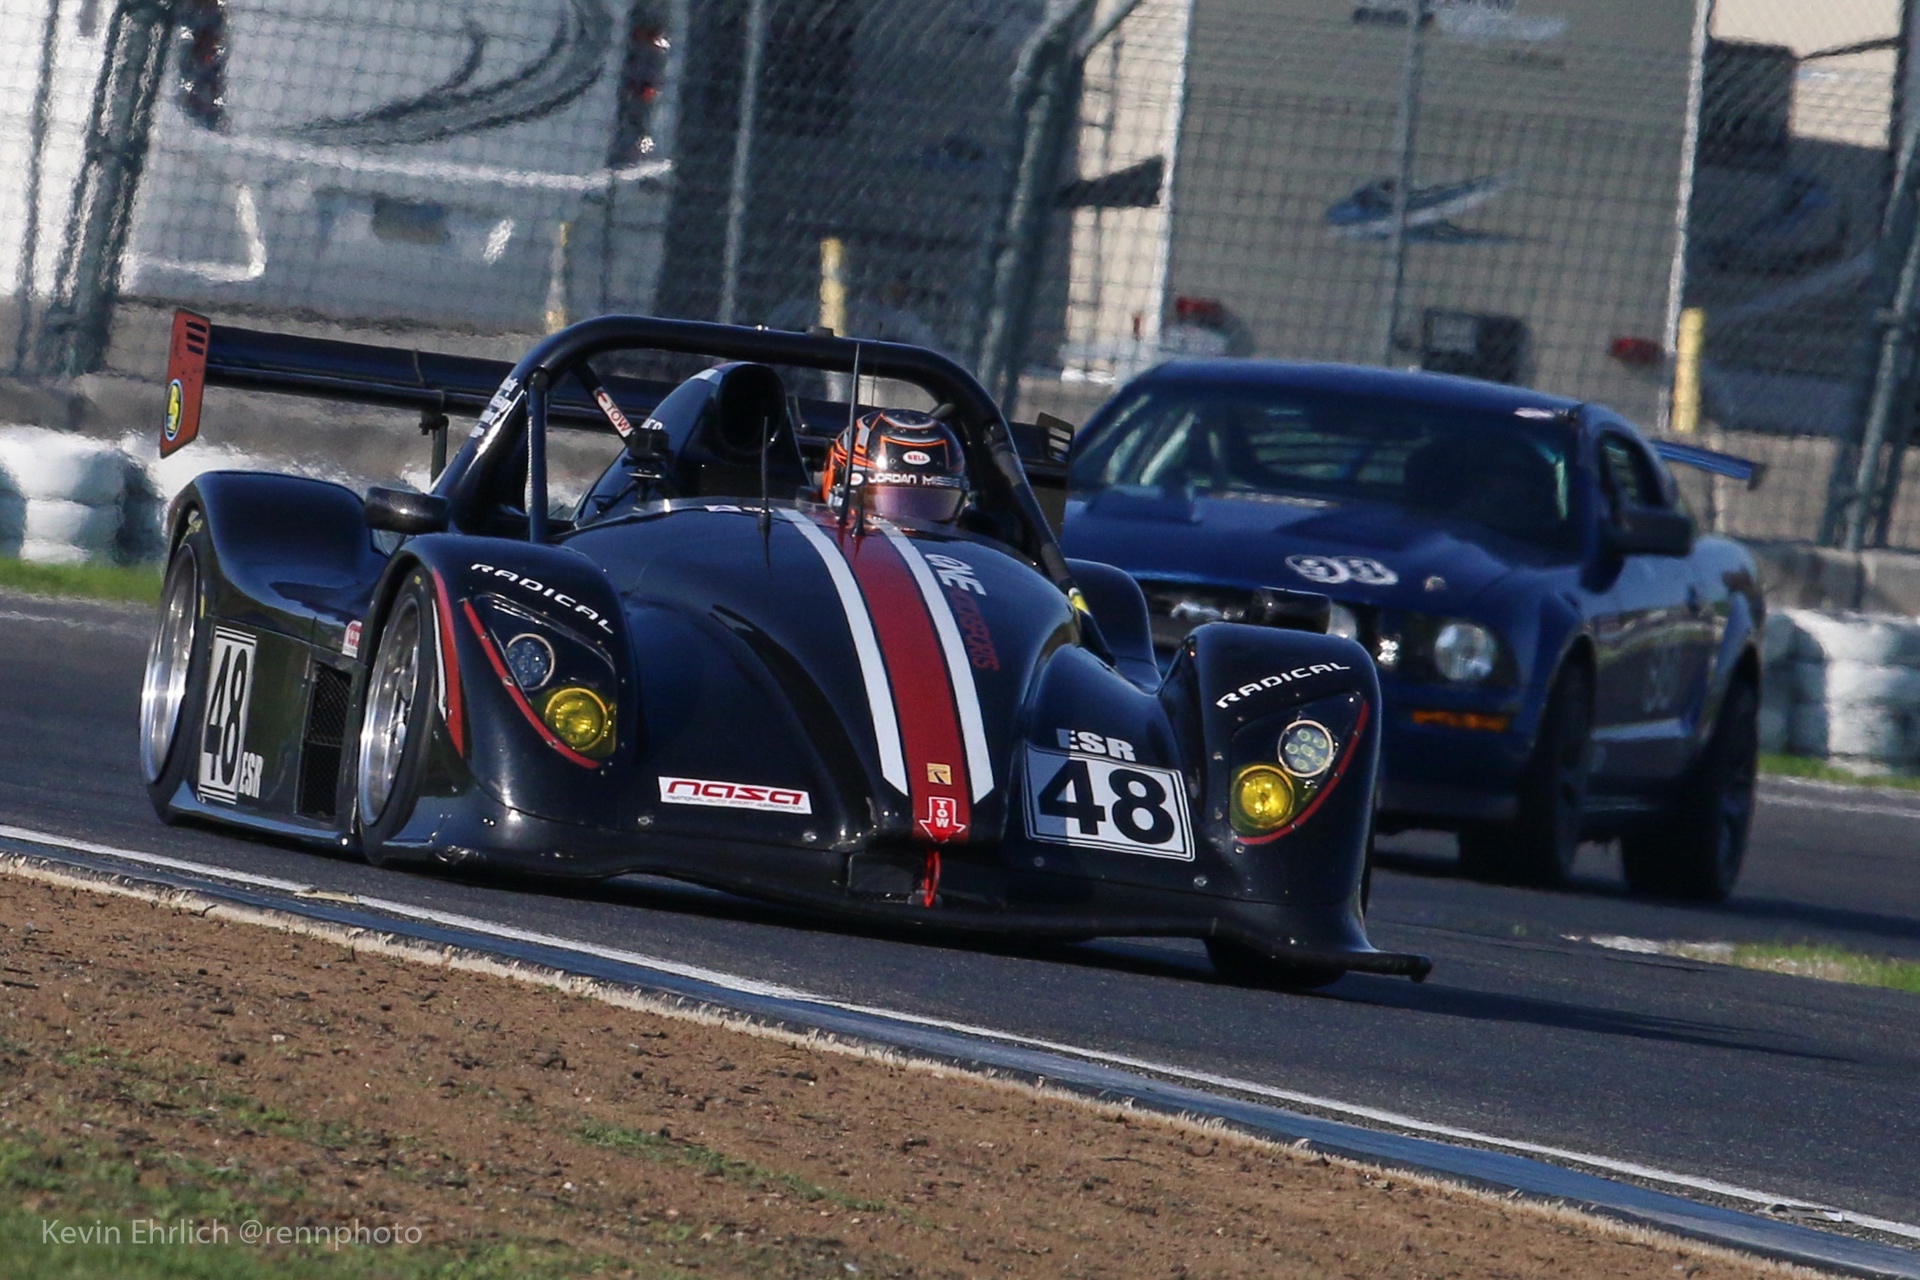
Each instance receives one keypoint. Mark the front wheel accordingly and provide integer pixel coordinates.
(1539, 846)
(1245, 967)
(1695, 850)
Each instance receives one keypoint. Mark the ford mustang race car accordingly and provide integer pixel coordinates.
(704, 671)
(1561, 656)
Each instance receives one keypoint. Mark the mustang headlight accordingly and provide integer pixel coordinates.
(1263, 799)
(580, 718)
(1464, 652)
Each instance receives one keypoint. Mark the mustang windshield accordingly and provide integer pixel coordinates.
(1500, 471)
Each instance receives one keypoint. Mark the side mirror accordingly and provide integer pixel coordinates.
(1649, 531)
(1291, 610)
(404, 511)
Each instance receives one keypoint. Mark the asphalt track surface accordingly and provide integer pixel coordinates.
(1806, 1089)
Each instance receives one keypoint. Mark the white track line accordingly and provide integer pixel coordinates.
(1827, 806)
(756, 987)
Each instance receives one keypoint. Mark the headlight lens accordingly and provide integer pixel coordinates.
(579, 718)
(1342, 622)
(530, 659)
(1306, 749)
(1464, 652)
(1263, 799)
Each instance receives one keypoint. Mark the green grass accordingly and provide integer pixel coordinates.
(1807, 960)
(138, 583)
(1781, 765)
(665, 1150)
(102, 1184)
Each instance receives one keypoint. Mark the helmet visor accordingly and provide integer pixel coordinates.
(933, 504)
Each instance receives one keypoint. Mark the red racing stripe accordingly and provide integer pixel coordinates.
(922, 689)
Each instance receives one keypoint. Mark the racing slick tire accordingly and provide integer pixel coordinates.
(1694, 851)
(173, 690)
(1243, 966)
(396, 724)
(1539, 846)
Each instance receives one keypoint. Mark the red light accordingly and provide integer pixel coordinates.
(1210, 312)
(1637, 353)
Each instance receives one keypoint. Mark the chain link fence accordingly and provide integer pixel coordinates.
(1684, 213)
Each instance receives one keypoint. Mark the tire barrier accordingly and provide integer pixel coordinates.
(1843, 687)
(62, 496)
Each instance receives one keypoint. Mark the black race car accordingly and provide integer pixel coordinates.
(703, 672)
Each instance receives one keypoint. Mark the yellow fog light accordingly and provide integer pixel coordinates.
(580, 718)
(1263, 799)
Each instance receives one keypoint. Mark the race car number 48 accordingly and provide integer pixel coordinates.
(1097, 803)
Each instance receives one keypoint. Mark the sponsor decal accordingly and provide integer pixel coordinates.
(1100, 802)
(734, 795)
(546, 592)
(916, 457)
(612, 410)
(227, 770)
(1095, 744)
(350, 643)
(176, 399)
(497, 408)
(956, 574)
(974, 632)
(1329, 570)
(942, 820)
(1277, 679)
(940, 773)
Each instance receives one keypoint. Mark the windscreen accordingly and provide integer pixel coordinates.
(1503, 472)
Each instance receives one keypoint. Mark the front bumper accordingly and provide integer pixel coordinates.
(975, 895)
(1441, 776)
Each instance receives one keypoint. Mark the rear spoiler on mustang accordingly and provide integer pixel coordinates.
(203, 354)
(1745, 470)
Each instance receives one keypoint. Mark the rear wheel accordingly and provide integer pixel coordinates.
(173, 682)
(1245, 967)
(1539, 846)
(1695, 850)
(396, 725)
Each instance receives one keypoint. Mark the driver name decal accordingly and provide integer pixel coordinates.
(1331, 570)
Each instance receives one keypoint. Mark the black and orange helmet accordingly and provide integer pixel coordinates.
(904, 465)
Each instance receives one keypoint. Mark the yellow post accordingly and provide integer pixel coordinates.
(833, 284)
(557, 268)
(1688, 345)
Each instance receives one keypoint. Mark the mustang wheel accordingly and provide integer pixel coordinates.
(1538, 847)
(172, 682)
(395, 727)
(1695, 850)
(1243, 966)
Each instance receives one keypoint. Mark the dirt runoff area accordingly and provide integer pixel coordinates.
(175, 1077)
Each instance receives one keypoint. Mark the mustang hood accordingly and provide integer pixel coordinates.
(867, 688)
(1373, 553)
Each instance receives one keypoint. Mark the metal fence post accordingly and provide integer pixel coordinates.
(79, 317)
(30, 233)
(1406, 127)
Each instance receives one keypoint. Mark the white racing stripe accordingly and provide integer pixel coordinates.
(1207, 1079)
(873, 669)
(959, 667)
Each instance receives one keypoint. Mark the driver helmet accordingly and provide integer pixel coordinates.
(898, 464)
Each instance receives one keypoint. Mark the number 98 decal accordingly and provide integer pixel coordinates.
(1107, 804)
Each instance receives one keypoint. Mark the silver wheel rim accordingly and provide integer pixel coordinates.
(165, 685)
(390, 699)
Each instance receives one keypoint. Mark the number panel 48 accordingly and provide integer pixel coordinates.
(1090, 802)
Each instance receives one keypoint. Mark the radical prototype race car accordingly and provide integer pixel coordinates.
(704, 671)
(1561, 655)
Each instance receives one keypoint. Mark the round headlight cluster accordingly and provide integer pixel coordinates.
(579, 718)
(1306, 749)
(530, 660)
(1464, 652)
(1263, 799)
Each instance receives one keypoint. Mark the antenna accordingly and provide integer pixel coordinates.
(766, 506)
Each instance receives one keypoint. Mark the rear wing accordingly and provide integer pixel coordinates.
(1745, 470)
(437, 386)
